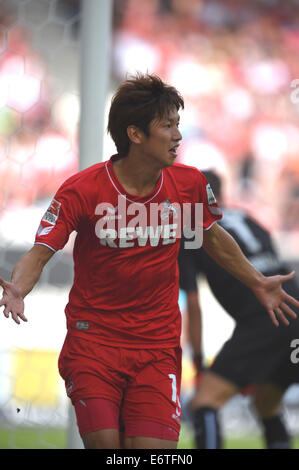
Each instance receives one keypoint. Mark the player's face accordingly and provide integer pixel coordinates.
(164, 139)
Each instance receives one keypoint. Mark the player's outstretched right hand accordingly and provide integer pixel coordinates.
(12, 301)
(274, 298)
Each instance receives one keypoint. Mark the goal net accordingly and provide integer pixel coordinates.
(40, 56)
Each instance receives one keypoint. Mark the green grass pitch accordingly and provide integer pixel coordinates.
(50, 438)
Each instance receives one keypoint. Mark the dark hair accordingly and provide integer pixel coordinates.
(215, 182)
(137, 102)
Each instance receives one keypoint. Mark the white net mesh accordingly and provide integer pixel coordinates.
(39, 111)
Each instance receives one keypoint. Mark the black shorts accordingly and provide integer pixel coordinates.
(258, 352)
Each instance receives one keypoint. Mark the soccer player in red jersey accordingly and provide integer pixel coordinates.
(121, 359)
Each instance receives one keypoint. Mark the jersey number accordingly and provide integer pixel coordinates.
(174, 395)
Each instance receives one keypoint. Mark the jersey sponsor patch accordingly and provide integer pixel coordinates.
(52, 213)
(210, 195)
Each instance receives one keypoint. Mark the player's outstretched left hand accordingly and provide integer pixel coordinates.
(275, 299)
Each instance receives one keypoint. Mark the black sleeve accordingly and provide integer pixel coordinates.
(188, 268)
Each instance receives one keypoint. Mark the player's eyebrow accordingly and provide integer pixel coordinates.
(171, 120)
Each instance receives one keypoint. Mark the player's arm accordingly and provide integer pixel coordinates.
(26, 274)
(222, 247)
(195, 333)
(194, 321)
(189, 269)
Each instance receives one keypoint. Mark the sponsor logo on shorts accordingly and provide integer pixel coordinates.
(69, 385)
(82, 325)
(295, 353)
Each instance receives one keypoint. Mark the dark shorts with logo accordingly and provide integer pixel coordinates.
(259, 352)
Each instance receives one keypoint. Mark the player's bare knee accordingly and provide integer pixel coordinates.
(215, 400)
(267, 400)
(213, 392)
(265, 408)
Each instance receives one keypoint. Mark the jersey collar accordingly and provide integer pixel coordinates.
(121, 191)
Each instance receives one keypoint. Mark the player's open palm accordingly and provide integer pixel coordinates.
(275, 299)
(12, 301)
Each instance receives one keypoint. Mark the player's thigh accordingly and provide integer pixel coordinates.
(95, 389)
(102, 439)
(91, 370)
(151, 408)
(95, 416)
(214, 390)
(267, 399)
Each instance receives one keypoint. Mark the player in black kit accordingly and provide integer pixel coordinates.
(257, 353)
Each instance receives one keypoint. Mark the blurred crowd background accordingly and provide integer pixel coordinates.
(236, 63)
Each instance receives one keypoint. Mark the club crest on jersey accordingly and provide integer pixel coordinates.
(52, 213)
(210, 195)
(168, 209)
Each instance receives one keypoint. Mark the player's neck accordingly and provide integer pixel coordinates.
(136, 175)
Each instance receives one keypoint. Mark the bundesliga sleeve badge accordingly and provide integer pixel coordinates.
(49, 219)
(52, 213)
(210, 195)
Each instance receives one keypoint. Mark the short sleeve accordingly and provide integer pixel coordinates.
(60, 219)
(211, 211)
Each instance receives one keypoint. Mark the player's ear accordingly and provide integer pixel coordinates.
(135, 135)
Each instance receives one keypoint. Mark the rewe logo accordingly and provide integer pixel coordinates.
(129, 237)
(130, 225)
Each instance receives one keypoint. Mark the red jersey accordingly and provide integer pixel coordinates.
(125, 289)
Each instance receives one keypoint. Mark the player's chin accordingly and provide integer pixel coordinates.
(171, 158)
(166, 160)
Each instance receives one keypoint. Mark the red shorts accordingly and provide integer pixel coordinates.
(134, 390)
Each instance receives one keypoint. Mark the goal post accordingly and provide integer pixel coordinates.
(95, 40)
